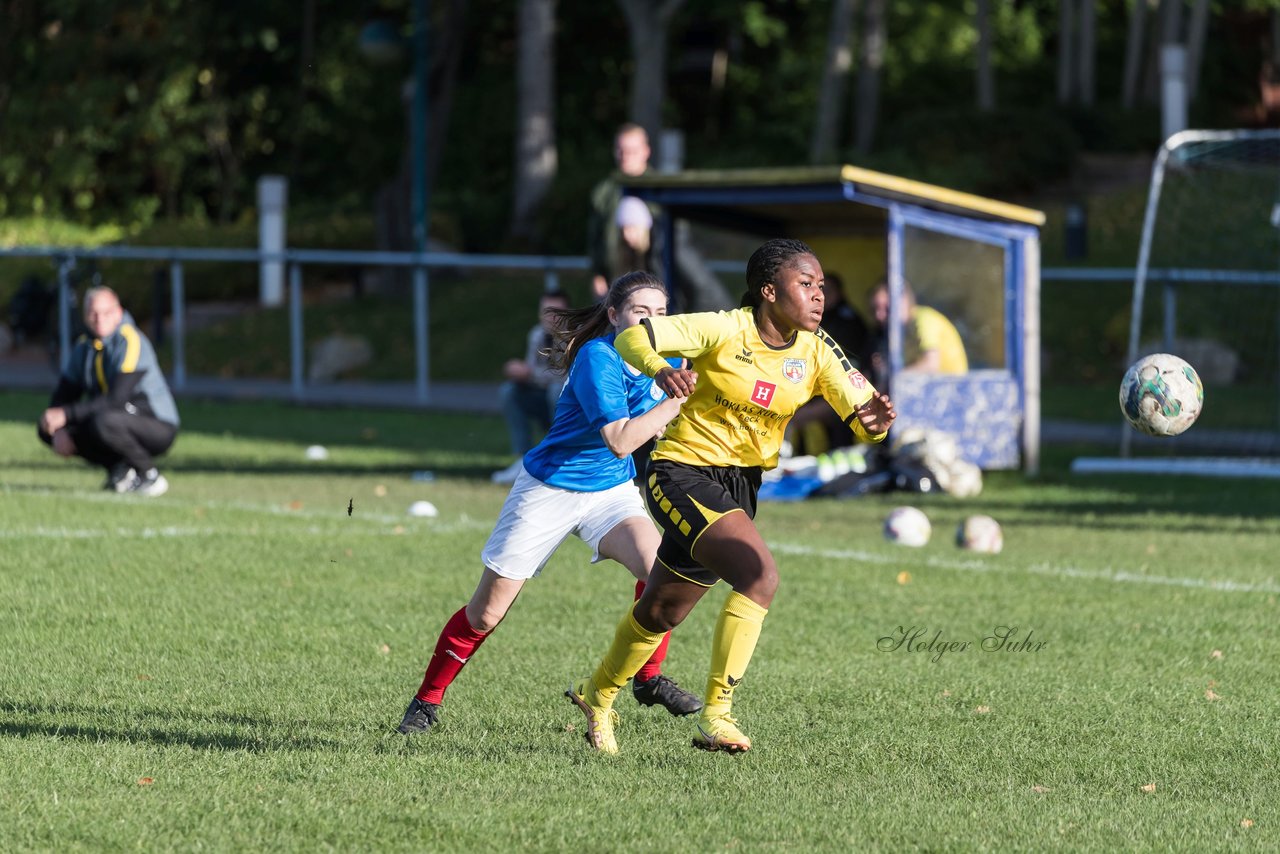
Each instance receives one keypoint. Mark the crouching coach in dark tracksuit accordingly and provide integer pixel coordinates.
(112, 406)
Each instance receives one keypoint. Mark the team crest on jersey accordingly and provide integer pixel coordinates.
(762, 395)
(794, 369)
(858, 380)
(655, 392)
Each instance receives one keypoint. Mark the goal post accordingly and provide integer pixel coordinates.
(1207, 288)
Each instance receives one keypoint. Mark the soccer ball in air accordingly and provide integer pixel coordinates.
(1161, 395)
(907, 526)
(980, 534)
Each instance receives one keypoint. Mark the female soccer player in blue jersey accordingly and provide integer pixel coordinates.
(578, 480)
(755, 367)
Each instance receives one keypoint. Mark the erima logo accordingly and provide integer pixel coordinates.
(745, 357)
(733, 683)
(456, 657)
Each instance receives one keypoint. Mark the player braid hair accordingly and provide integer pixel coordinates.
(766, 262)
(577, 326)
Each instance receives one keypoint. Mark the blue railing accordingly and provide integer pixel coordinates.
(421, 263)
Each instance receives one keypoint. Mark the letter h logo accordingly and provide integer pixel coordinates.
(763, 393)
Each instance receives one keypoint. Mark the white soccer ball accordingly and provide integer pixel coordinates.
(316, 453)
(907, 526)
(1161, 395)
(424, 509)
(980, 534)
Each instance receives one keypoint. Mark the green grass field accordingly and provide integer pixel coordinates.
(222, 668)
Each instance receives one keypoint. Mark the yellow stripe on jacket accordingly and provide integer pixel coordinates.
(97, 366)
(132, 348)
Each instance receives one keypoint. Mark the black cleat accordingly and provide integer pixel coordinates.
(150, 483)
(663, 691)
(419, 717)
(120, 477)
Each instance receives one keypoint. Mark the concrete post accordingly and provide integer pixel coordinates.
(1173, 89)
(670, 151)
(273, 202)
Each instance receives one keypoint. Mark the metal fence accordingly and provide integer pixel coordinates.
(421, 265)
(293, 260)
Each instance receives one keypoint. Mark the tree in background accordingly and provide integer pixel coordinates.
(986, 77)
(446, 39)
(647, 25)
(871, 60)
(535, 139)
(139, 110)
(836, 69)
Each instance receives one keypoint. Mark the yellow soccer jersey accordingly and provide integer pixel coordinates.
(747, 391)
(932, 331)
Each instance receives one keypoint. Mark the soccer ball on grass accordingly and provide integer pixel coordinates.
(907, 526)
(1161, 395)
(980, 534)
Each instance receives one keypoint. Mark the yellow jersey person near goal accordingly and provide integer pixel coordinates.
(752, 368)
(930, 341)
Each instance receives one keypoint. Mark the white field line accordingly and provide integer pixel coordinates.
(281, 509)
(1114, 576)
(339, 521)
(178, 532)
(338, 514)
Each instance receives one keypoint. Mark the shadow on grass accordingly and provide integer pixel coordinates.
(1248, 500)
(156, 726)
(431, 433)
(216, 466)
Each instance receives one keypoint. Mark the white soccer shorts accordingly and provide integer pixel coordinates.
(537, 518)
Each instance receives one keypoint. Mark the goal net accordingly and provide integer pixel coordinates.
(1207, 289)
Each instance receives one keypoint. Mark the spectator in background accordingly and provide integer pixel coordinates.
(607, 242)
(531, 385)
(112, 405)
(615, 247)
(930, 342)
(634, 221)
(815, 428)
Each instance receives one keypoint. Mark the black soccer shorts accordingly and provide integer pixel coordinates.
(686, 500)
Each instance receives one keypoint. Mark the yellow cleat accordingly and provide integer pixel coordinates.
(721, 733)
(600, 721)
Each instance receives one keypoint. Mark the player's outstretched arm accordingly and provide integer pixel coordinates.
(876, 416)
(626, 434)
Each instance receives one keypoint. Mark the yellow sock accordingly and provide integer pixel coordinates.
(633, 644)
(734, 641)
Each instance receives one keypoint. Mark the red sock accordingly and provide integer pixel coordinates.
(653, 666)
(458, 642)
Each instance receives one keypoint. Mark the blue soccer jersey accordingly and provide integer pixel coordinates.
(600, 389)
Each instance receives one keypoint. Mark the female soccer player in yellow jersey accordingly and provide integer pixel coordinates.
(752, 368)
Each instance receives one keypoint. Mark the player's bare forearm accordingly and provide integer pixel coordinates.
(625, 435)
(877, 415)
